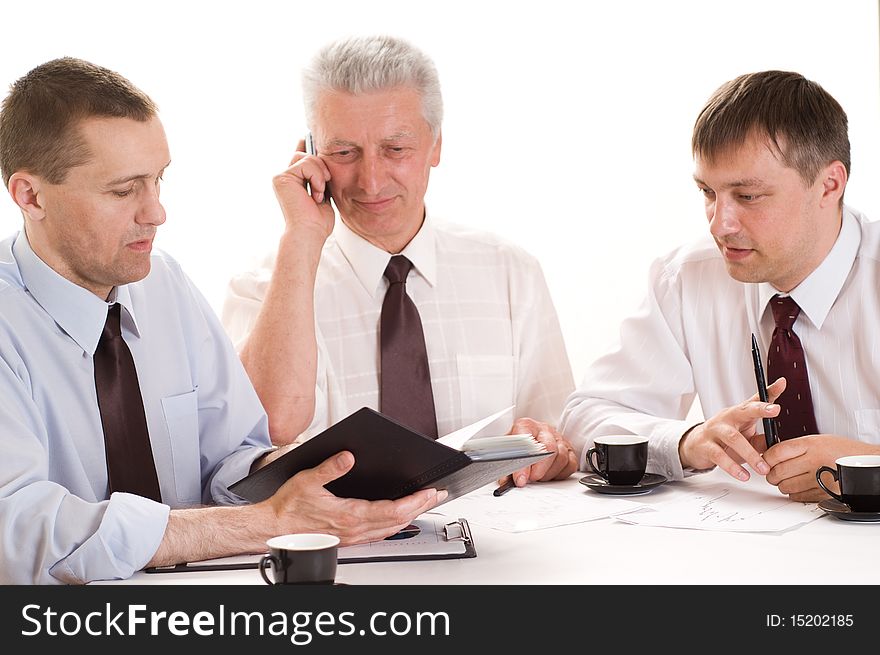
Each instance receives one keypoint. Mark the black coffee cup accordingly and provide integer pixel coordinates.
(859, 480)
(620, 459)
(307, 558)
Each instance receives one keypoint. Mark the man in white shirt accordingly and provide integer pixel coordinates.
(82, 498)
(772, 160)
(491, 335)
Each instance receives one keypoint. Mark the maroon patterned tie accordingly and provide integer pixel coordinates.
(130, 465)
(405, 390)
(786, 359)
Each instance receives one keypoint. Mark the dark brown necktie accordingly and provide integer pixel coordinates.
(130, 465)
(405, 393)
(786, 359)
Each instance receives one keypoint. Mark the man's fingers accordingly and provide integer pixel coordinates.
(539, 470)
(810, 496)
(723, 440)
(785, 450)
(752, 410)
(735, 441)
(378, 518)
(525, 425)
(420, 502)
(746, 414)
(800, 483)
(520, 477)
(570, 467)
(558, 463)
(330, 469)
(725, 462)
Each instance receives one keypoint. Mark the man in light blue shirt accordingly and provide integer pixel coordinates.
(82, 154)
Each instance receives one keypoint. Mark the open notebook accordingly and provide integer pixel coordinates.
(392, 461)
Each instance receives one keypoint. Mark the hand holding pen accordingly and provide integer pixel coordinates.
(730, 439)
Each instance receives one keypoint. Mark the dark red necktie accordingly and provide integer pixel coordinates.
(786, 359)
(130, 465)
(405, 391)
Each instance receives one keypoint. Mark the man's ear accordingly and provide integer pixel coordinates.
(25, 191)
(833, 178)
(435, 154)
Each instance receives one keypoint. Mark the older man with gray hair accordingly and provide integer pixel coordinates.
(433, 324)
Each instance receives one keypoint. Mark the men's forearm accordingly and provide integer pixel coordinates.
(281, 353)
(211, 532)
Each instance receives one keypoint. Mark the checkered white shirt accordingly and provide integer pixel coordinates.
(492, 335)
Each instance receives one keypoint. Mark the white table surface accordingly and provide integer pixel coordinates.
(607, 551)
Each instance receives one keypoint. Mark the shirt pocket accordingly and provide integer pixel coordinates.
(486, 385)
(182, 420)
(868, 425)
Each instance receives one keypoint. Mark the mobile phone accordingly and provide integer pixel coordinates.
(311, 150)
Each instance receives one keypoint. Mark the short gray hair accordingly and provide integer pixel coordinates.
(373, 63)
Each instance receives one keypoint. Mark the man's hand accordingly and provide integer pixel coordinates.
(558, 466)
(793, 463)
(299, 208)
(729, 438)
(302, 504)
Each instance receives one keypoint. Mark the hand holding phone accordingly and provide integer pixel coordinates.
(298, 190)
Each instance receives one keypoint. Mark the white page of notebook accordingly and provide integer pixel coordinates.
(496, 424)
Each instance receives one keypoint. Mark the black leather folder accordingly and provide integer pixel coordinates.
(391, 461)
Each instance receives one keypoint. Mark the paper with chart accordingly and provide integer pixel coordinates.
(728, 507)
(536, 506)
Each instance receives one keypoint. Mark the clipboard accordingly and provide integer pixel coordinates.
(437, 539)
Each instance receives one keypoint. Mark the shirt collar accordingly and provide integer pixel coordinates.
(369, 261)
(77, 311)
(817, 293)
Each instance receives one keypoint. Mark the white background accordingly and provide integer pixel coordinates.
(567, 124)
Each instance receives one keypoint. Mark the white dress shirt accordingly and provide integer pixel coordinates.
(692, 337)
(491, 331)
(58, 521)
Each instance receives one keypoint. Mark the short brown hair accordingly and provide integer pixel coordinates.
(39, 117)
(806, 125)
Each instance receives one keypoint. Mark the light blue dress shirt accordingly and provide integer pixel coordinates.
(58, 521)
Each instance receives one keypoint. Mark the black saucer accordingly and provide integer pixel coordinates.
(643, 486)
(841, 511)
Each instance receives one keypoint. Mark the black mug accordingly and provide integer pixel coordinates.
(620, 459)
(859, 480)
(307, 558)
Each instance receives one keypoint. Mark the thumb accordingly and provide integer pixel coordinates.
(776, 389)
(333, 467)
